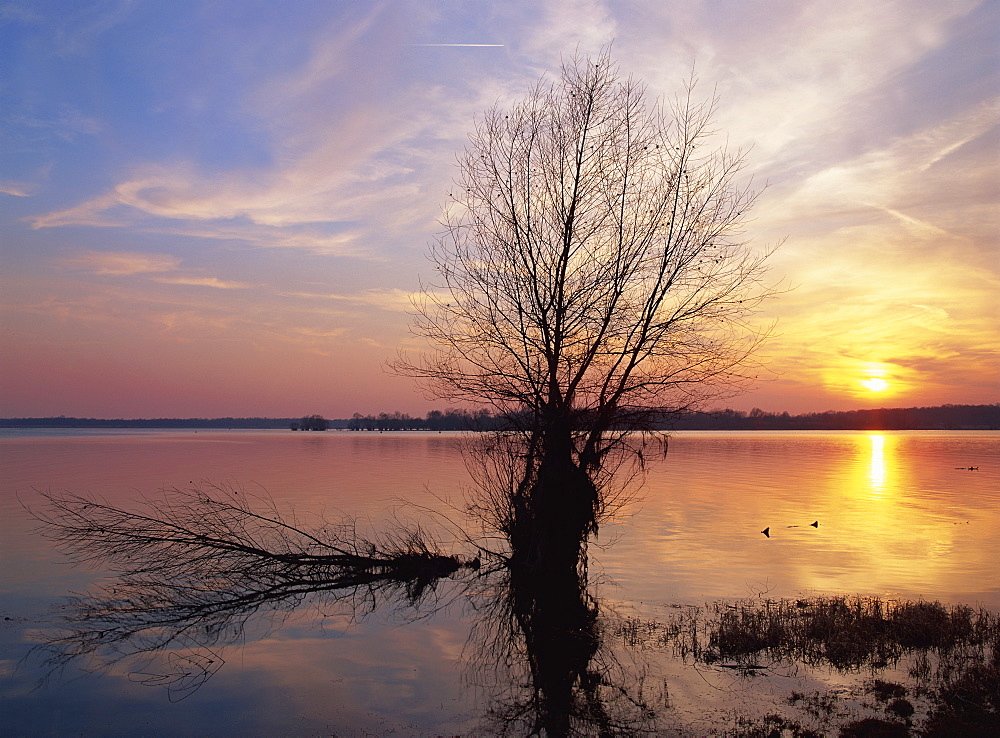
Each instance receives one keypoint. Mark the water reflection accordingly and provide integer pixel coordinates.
(876, 473)
(201, 571)
(203, 567)
(542, 656)
(894, 668)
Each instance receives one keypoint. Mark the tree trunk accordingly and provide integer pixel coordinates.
(560, 509)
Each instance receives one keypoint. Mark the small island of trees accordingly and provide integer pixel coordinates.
(310, 423)
(452, 419)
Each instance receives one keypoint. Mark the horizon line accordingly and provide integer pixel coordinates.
(706, 412)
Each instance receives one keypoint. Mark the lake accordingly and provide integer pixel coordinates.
(902, 516)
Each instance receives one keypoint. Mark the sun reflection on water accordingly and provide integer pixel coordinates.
(876, 468)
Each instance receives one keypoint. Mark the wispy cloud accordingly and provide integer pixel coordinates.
(922, 320)
(386, 299)
(92, 212)
(899, 172)
(14, 189)
(203, 282)
(335, 165)
(27, 186)
(553, 28)
(18, 12)
(85, 23)
(122, 264)
(160, 268)
(801, 82)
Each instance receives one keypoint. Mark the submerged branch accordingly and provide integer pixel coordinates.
(196, 565)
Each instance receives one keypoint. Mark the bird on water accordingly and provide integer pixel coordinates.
(767, 530)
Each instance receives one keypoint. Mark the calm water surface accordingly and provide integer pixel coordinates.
(900, 515)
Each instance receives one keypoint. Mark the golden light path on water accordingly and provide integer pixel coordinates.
(899, 514)
(876, 474)
(899, 524)
(899, 530)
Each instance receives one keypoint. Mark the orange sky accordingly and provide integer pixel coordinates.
(212, 209)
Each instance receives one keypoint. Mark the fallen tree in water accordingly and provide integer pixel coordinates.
(205, 531)
(191, 567)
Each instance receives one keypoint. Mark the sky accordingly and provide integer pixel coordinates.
(220, 207)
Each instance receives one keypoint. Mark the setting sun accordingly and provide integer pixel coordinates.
(875, 384)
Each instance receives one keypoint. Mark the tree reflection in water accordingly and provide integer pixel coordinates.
(541, 655)
(196, 569)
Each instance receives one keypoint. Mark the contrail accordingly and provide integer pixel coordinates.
(455, 44)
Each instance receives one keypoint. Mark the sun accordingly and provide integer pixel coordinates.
(875, 384)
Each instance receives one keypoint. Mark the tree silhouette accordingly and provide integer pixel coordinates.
(591, 275)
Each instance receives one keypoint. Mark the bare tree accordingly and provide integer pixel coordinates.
(591, 273)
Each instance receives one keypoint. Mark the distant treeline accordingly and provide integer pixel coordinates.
(436, 420)
(944, 417)
(228, 423)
